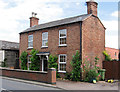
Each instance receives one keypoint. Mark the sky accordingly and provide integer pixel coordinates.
(15, 14)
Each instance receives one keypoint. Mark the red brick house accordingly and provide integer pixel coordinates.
(114, 53)
(62, 38)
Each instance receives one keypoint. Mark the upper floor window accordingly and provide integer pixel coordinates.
(62, 62)
(62, 37)
(30, 41)
(45, 39)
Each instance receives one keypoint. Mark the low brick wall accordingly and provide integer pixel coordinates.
(46, 77)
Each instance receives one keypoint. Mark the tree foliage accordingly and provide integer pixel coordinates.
(52, 63)
(107, 56)
(35, 60)
(76, 66)
(23, 59)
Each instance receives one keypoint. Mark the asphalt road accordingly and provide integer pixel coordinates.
(16, 85)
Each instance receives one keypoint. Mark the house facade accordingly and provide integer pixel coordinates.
(114, 53)
(9, 53)
(64, 37)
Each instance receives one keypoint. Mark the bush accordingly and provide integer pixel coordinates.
(107, 56)
(90, 71)
(52, 63)
(23, 59)
(76, 67)
(91, 74)
(4, 63)
(35, 60)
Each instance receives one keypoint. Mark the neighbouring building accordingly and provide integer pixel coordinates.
(114, 53)
(9, 53)
(62, 38)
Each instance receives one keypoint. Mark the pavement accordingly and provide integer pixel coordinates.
(101, 85)
(71, 85)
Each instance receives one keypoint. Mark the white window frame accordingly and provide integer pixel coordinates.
(31, 41)
(29, 62)
(3, 55)
(62, 37)
(46, 39)
(62, 63)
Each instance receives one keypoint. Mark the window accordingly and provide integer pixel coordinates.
(45, 39)
(62, 37)
(30, 41)
(29, 62)
(62, 62)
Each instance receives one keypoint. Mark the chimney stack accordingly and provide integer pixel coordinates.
(34, 20)
(92, 7)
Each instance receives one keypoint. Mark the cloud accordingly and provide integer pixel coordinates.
(115, 14)
(15, 14)
(111, 33)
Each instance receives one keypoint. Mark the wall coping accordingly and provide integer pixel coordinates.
(20, 70)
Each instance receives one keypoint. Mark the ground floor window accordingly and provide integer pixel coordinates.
(29, 62)
(62, 62)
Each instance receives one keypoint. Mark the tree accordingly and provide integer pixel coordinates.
(23, 59)
(52, 63)
(76, 67)
(35, 60)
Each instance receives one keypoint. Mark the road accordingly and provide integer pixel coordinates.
(16, 85)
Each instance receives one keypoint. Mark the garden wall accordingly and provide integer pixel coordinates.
(46, 77)
(112, 69)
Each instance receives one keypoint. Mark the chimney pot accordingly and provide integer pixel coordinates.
(34, 20)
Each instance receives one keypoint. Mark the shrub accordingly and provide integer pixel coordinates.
(4, 63)
(35, 60)
(23, 59)
(89, 71)
(91, 74)
(107, 56)
(76, 67)
(52, 63)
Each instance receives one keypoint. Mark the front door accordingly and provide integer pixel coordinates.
(44, 63)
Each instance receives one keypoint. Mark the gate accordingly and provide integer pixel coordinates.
(112, 69)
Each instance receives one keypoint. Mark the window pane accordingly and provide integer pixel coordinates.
(45, 39)
(30, 38)
(62, 67)
(30, 44)
(62, 40)
(45, 43)
(62, 58)
(30, 41)
(45, 36)
(62, 33)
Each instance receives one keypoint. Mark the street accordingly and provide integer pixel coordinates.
(15, 85)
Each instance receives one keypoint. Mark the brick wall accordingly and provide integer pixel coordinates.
(46, 77)
(93, 39)
(73, 41)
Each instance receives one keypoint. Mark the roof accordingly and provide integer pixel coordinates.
(6, 45)
(58, 23)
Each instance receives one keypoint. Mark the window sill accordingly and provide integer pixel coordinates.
(63, 45)
(44, 47)
(61, 71)
(30, 48)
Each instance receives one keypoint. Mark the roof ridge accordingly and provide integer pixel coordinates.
(58, 22)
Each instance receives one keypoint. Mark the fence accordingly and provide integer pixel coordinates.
(112, 69)
(46, 77)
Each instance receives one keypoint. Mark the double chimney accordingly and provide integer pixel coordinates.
(91, 9)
